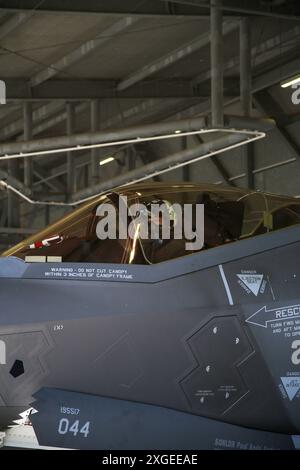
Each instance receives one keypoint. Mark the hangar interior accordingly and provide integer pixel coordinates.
(162, 88)
(91, 66)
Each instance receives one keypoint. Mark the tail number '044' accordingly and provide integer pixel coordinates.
(65, 426)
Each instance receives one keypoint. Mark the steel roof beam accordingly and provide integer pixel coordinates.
(217, 164)
(17, 230)
(89, 138)
(266, 51)
(42, 113)
(156, 7)
(9, 178)
(143, 111)
(173, 56)
(150, 108)
(267, 79)
(120, 7)
(176, 160)
(81, 52)
(42, 174)
(88, 89)
(13, 23)
(266, 104)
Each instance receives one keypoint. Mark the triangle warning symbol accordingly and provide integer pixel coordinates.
(252, 281)
(291, 386)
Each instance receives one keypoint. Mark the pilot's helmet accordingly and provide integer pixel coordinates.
(166, 205)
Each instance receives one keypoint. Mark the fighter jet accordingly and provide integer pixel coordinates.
(157, 342)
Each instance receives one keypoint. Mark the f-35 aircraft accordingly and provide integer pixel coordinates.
(139, 343)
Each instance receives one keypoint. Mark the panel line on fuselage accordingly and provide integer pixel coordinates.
(226, 285)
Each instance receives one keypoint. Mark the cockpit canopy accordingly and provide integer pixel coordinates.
(230, 214)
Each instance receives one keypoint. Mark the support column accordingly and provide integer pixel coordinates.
(3, 217)
(28, 163)
(85, 173)
(185, 169)
(13, 201)
(245, 91)
(245, 66)
(70, 155)
(94, 152)
(217, 62)
(131, 157)
(47, 215)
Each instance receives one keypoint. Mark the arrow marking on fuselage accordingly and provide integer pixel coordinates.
(262, 316)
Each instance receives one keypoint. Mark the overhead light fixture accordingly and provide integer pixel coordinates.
(106, 160)
(178, 131)
(290, 82)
